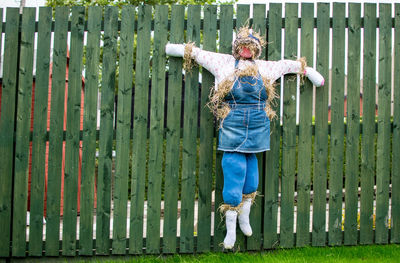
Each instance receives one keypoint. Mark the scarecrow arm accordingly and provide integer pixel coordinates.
(215, 63)
(275, 69)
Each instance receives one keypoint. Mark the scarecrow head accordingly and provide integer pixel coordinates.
(247, 45)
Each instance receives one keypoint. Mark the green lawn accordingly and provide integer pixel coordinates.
(364, 254)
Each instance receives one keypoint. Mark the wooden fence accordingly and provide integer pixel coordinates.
(324, 182)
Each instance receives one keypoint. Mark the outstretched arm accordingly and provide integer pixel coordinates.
(212, 61)
(275, 69)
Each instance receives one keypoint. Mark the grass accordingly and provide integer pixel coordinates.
(364, 254)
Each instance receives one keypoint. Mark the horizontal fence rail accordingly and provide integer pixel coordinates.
(107, 148)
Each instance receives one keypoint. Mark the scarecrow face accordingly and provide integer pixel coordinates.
(245, 52)
(246, 45)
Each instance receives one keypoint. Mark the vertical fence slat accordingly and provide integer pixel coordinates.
(120, 194)
(321, 128)
(384, 133)
(140, 130)
(305, 131)
(89, 131)
(242, 18)
(39, 132)
(173, 134)
(7, 121)
(189, 139)
(337, 126)
(353, 126)
(254, 242)
(156, 130)
(368, 128)
(56, 131)
(289, 132)
(206, 138)
(272, 158)
(106, 131)
(72, 133)
(225, 46)
(395, 224)
(22, 151)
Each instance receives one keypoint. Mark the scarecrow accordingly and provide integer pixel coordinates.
(241, 100)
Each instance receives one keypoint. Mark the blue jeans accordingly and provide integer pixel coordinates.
(240, 176)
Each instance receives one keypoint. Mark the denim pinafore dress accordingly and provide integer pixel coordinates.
(247, 127)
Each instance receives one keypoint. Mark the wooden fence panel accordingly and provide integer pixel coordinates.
(321, 128)
(255, 241)
(7, 122)
(173, 134)
(225, 46)
(305, 131)
(89, 132)
(384, 133)
(395, 224)
(337, 126)
(123, 130)
(189, 141)
(22, 149)
(58, 84)
(72, 146)
(106, 132)
(39, 133)
(353, 126)
(156, 130)
(272, 157)
(206, 138)
(289, 132)
(18, 139)
(140, 130)
(368, 128)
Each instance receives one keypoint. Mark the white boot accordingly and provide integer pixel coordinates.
(230, 238)
(244, 220)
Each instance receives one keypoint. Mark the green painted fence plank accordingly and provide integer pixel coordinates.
(156, 130)
(353, 126)
(58, 84)
(368, 130)
(337, 126)
(89, 131)
(289, 132)
(72, 145)
(189, 141)
(242, 19)
(120, 193)
(22, 144)
(7, 122)
(272, 157)
(39, 132)
(321, 128)
(242, 15)
(395, 224)
(384, 133)
(140, 130)
(206, 138)
(225, 46)
(305, 131)
(255, 241)
(106, 131)
(173, 134)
